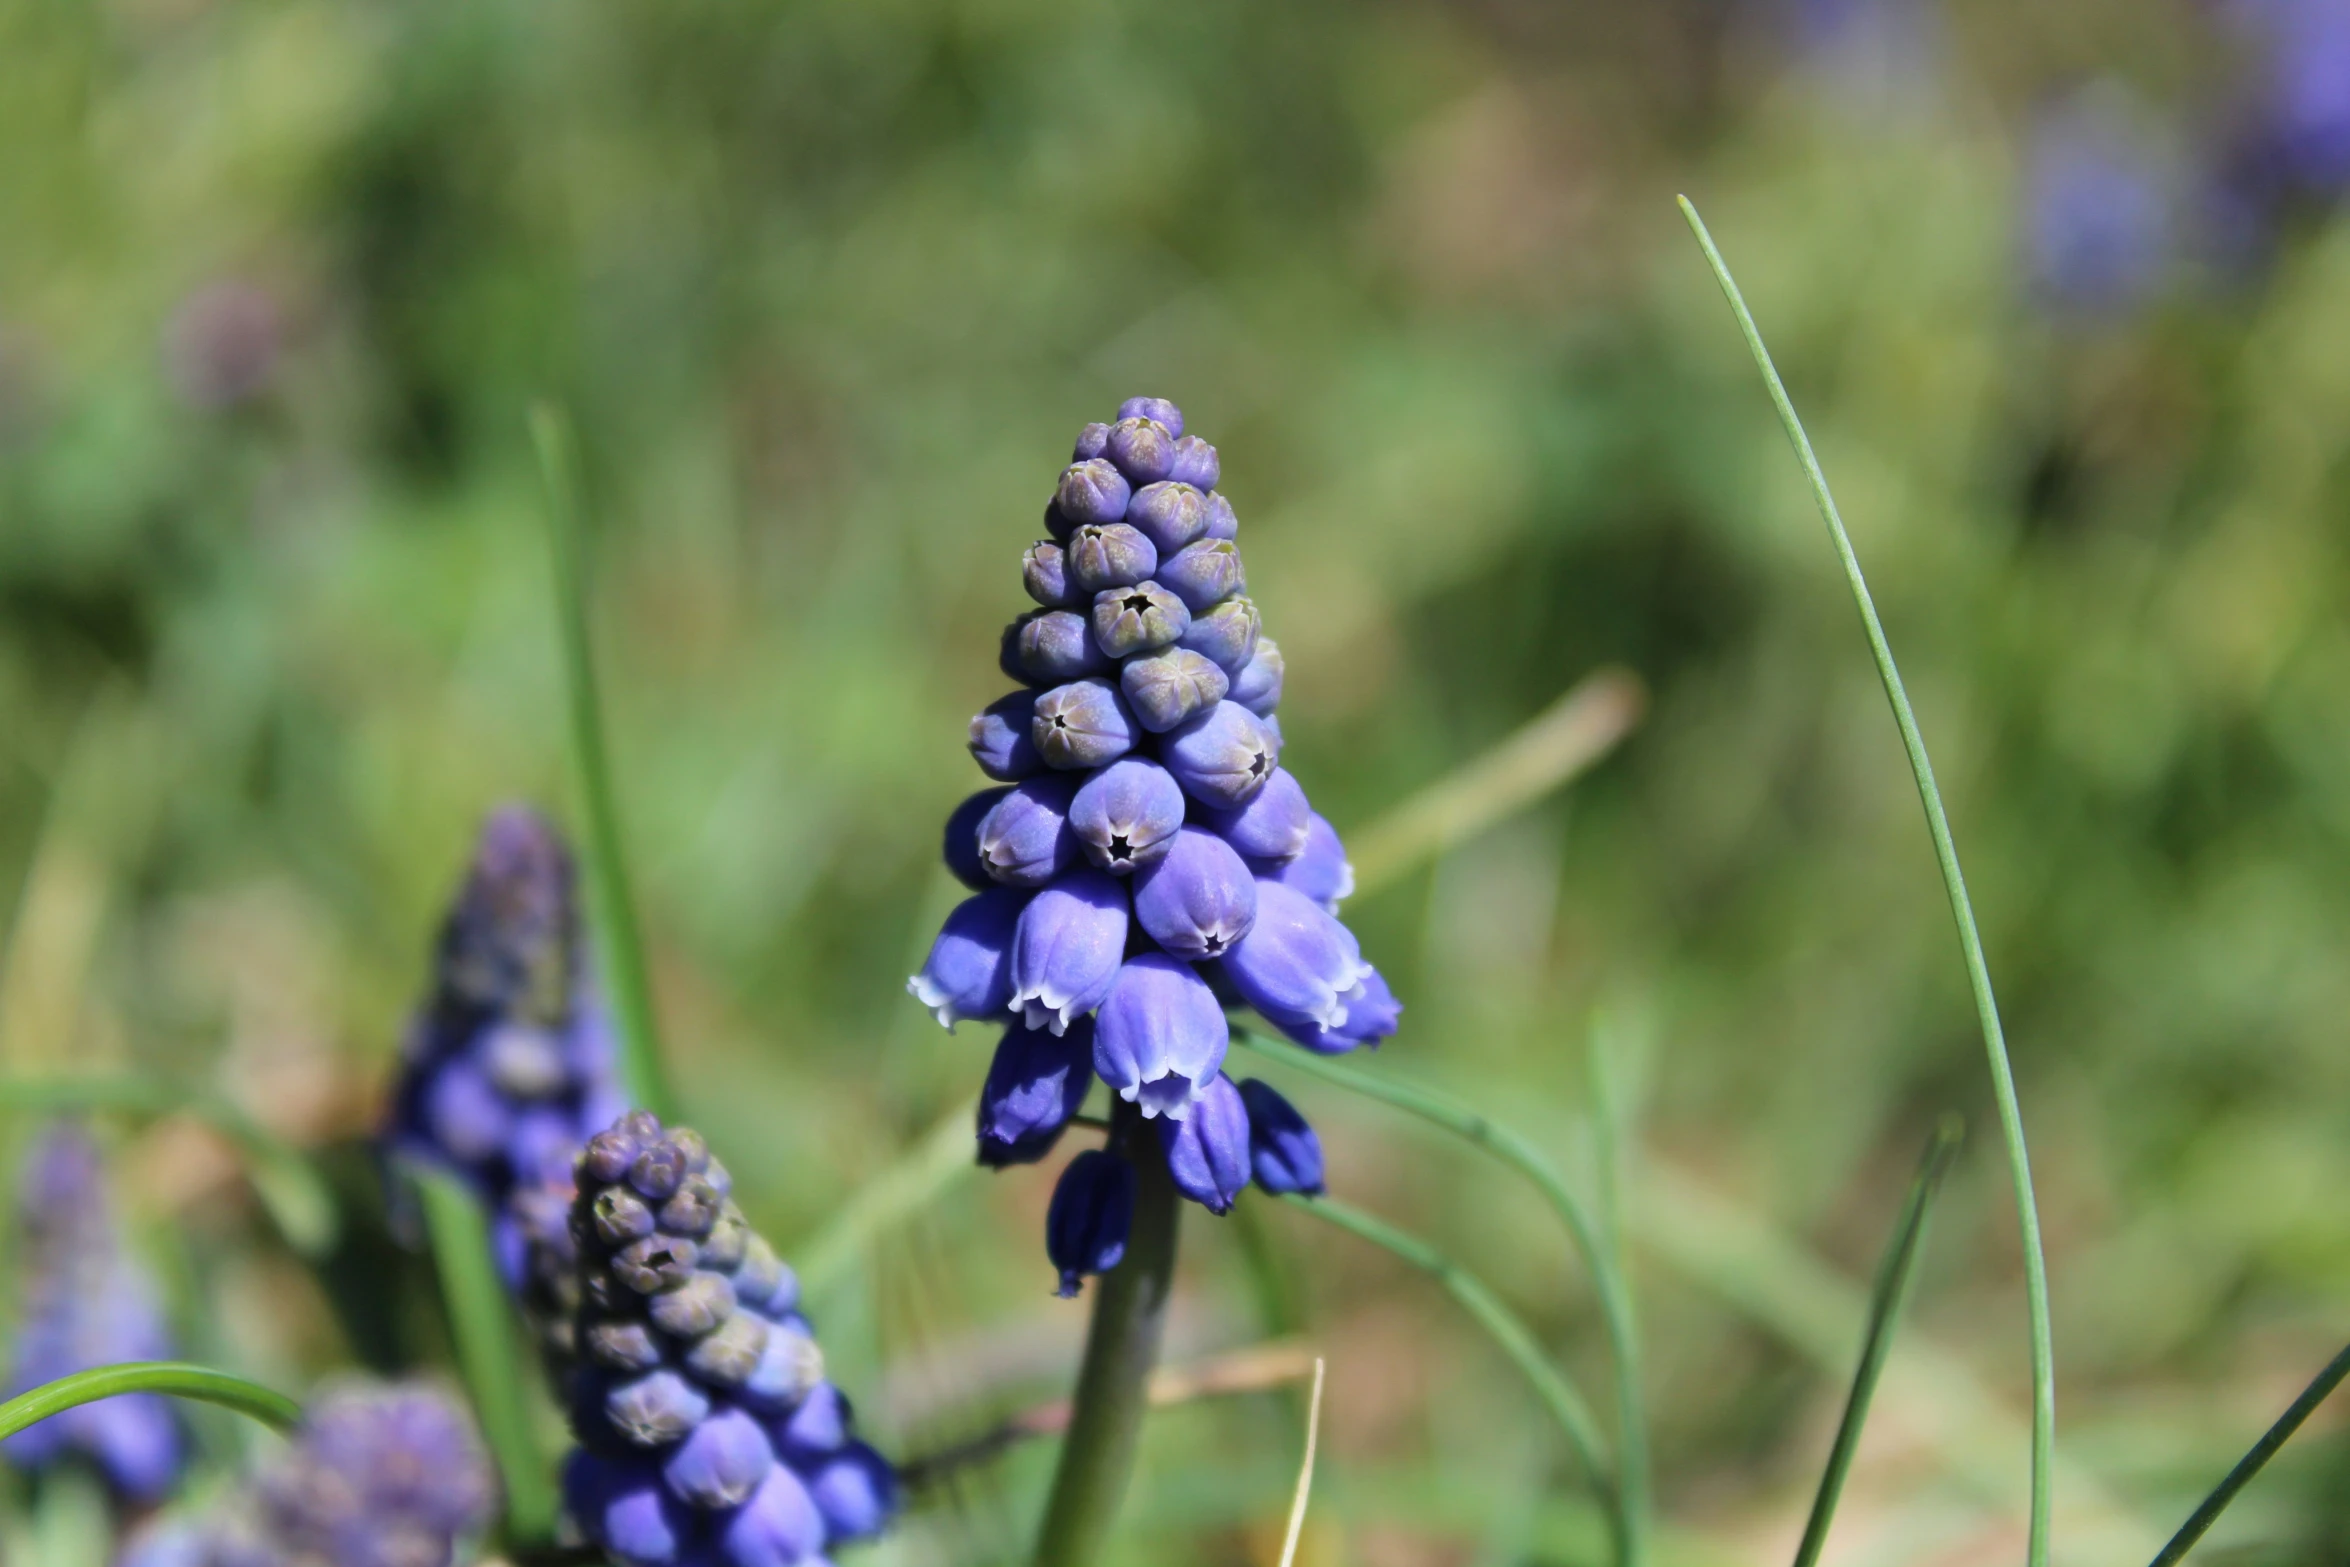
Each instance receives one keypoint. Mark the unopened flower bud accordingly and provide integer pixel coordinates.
(1085, 723)
(1056, 644)
(962, 839)
(1284, 1154)
(1160, 1035)
(1208, 1150)
(1026, 840)
(1258, 686)
(1168, 686)
(1199, 899)
(1092, 491)
(1273, 825)
(1196, 463)
(1225, 634)
(1165, 413)
(1109, 555)
(1204, 573)
(1126, 814)
(1091, 1215)
(1222, 524)
(1143, 449)
(1002, 738)
(1092, 441)
(1138, 618)
(721, 1463)
(1170, 514)
(1044, 571)
(1222, 757)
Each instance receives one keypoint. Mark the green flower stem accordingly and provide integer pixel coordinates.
(619, 939)
(1893, 1275)
(1129, 1314)
(1514, 1338)
(2254, 1461)
(2011, 1117)
(481, 1323)
(174, 1377)
(1608, 1278)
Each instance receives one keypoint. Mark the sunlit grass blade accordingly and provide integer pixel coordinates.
(946, 1153)
(300, 1202)
(1305, 1471)
(482, 1325)
(1502, 1325)
(2011, 1119)
(2254, 1461)
(174, 1377)
(1892, 1287)
(1608, 1279)
(1607, 1129)
(1566, 738)
(619, 938)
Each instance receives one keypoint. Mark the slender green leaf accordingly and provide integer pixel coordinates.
(619, 938)
(481, 1322)
(2254, 1461)
(1512, 1336)
(299, 1200)
(2011, 1118)
(1632, 1482)
(174, 1377)
(1893, 1275)
(945, 1155)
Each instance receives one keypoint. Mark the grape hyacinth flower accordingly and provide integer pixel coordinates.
(1152, 858)
(85, 1302)
(708, 1435)
(508, 1067)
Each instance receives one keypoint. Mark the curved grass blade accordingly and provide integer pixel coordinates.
(1608, 1279)
(175, 1377)
(1892, 1287)
(946, 1153)
(1632, 1481)
(2254, 1461)
(1512, 1336)
(482, 1325)
(619, 938)
(2011, 1118)
(1305, 1471)
(299, 1200)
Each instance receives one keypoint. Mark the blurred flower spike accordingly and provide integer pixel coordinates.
(1144, 859)
(708, 1435)
(507, 1069)
(84, 1303)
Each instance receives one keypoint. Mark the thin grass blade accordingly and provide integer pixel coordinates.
(1892, 1288)
(177, 1378)
(482, 1325)
(2254, 1461)
(944, 1156)
(1305, 1471)
(619, 937)
(2011, 1119)
(1607, 1128)
(1502, 1325)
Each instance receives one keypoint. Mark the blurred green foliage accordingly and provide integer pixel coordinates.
(829, 288)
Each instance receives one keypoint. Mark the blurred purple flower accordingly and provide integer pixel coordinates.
(2098, 214)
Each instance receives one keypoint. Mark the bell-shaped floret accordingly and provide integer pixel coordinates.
(1169, 514)
(1109, 555)
(1258, 686)
(1143, 449)
(1202, 573)
(1273, 826)
(1297, 965)
(1199, 899)
(1036, 1083)
(1208, 1150)
(1321, 872)
(1083, 724)
(969, 972)
(1283, 1152)
(1222, 757)
(1164, 413)
(1125, 816)
(1137, 619)
(1057, 644)
(1196, 463)
(1160, 1035)
(1092, 1212)
(1168, 686)
(1003, 738)
(962, 839)
(720, 1463)
(1092, 491)
(1372, 1013)
(1066, 949)
(1226, 635)
(1026, 840)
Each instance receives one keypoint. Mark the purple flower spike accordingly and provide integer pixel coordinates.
(1284, 1154)
(1196, 463)
(1203, 574)
(1170, 685)
(1092, 491)
(1258, 686)
(1092, 441)
(1160, 1036)
(969, 974)
(1297, 965)
(1170, 514)
(1273, 826)
(1226, 634)
(1056, 644)
(1222, 524)
(1025, 841)
(1155, 408)
(1321, 872)
(1372, 1013)
(1037, 1082)
(1126, 815)
(1143, 449)
(1044, 572)
(1208, 1150)
(1222, 757)
(1138, 618)
(1085, 723)
(721, 1463)
(1109, 555)
(1085, 1229)
(1066, 949)
(962, 839)
(1002, 741)
(1199, 899)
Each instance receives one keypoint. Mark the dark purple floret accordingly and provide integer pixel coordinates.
(1092, 1211)
(1284, 1154)
(1036, 1083)
(962, 839)
(1208, 1151)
